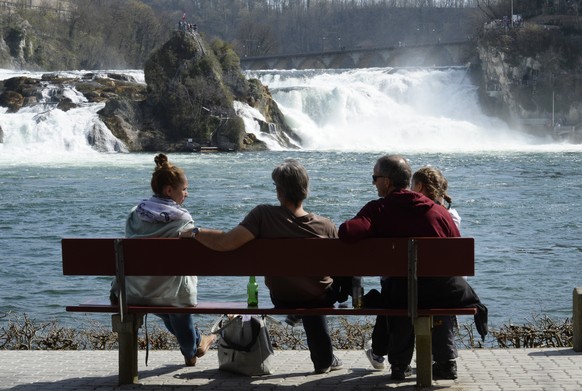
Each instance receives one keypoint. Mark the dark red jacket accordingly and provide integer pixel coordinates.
(405, 214)
(402, 213)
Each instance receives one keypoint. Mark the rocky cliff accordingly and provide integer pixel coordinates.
(531, 78)
(188, 103)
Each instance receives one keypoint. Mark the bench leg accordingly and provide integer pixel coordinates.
(423, 333)
(127, 339)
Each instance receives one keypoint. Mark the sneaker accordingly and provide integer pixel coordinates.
(204, 345)
(376, 361)
(400, 372)
(335, 365)
(444, 370)
(293, 320)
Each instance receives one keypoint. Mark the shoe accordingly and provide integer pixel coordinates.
(190, 362)
(293, 320)
(444, 370)
(336, 364)
(376, 361)
(400, 372)
(204, 344)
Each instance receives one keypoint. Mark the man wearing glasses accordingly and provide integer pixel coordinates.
(400, 212)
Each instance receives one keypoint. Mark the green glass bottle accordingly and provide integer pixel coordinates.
(252, 292)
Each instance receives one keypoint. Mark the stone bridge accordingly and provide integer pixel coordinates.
(428, 55)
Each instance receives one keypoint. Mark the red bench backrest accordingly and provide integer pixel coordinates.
(369, 257)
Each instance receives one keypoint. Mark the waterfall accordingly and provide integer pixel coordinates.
(386, 109)
(42, 130)
(45, 130)
(373, 109)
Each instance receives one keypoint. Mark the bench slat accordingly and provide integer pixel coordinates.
(242, 308)
(88, 257)
(288, 257)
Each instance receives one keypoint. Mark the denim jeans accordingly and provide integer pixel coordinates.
(402, 339)
(318, 340)
(183, 328)
(316, 329)
(394, 337)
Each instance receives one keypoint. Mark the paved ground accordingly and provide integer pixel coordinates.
(487, 369)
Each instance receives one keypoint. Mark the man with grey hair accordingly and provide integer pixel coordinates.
(400, 212)
(287, 220)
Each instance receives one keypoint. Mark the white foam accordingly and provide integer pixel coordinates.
(382, 109)
(363, 110)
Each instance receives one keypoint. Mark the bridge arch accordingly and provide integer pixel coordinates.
(258, 64)
(284, 63)
(372, 59)
(439, 56)
(312, 63)
(342, 61)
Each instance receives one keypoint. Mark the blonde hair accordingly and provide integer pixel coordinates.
(435, 184)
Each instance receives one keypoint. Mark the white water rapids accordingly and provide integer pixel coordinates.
(374, 109)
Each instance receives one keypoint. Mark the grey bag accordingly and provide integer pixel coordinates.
(245, 346)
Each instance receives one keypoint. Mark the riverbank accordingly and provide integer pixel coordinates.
(20, 332)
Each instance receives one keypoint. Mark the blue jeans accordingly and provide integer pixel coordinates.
(318, 340)
(443, 339)
(394, 336)
(183, 328)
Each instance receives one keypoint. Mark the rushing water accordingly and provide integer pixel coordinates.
(518, 197)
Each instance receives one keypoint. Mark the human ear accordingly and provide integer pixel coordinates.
(168, 190)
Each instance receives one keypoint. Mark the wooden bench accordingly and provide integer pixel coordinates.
(403, 257)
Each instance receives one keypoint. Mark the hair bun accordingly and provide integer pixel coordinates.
(161, 160)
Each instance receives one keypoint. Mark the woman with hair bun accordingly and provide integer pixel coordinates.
(162, 216)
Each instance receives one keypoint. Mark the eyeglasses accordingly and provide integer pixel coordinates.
(375, 177)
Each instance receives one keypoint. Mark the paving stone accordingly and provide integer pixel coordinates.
(479, 370)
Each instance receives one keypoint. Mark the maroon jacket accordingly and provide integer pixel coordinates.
(405, 213)
(402, 213)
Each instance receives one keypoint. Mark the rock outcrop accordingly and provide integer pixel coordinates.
(191, 94)
(188, 103)
(16, 45)
(530, 78)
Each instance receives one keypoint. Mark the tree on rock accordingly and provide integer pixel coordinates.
(190, 96)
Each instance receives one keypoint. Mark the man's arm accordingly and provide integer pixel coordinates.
(360, 226)
(355, 229)
(220, 240)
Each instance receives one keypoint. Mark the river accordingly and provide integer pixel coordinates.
(518, 196)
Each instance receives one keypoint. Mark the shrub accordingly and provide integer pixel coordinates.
(19, 332)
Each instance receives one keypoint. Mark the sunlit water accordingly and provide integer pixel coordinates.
(518, 197)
